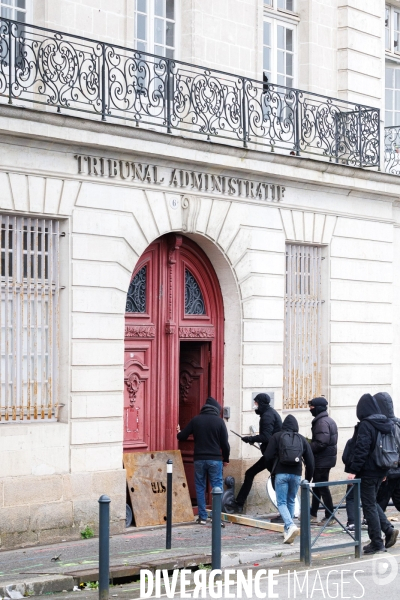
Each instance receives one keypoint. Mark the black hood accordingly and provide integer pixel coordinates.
(211, 407)
(290, 424)
(263, 401)
(368, 408)
(320, 404)
(385, 404)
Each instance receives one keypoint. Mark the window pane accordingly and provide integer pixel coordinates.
(389, 77)
(397, 118)
(159, 8)
(281, 4)
(141, 46)
(281, 61)
(290, 5)
(267, 59)
(289, 64)
(289, 40)
(159, 31)
(267, 33)
(170, 34)
(141, 27)
(170, 9)
(169, 53)
(387, 28)
(389, 100)
(141, 5)
(21, 4)
(281, 37)
(289, 82)
(388, 119)
(160, 50)
(8, 2)
(20, 16)
(397, 78)
(268, 2)
(397, 100)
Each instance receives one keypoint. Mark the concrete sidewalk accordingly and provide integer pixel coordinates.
(54, 568)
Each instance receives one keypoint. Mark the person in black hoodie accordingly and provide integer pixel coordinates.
(364, 467)
(288, 476)
(270, 423)
(324, 447)
(390, 488)
(211, 450)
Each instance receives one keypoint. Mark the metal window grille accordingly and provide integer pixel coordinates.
(29, 318)
(302, 347)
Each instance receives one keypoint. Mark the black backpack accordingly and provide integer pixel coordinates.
(386, 453)
(290, 450)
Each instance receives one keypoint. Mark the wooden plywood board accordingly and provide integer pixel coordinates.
(146, 474)
(241, 520)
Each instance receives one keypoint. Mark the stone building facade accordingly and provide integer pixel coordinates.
(82, 199)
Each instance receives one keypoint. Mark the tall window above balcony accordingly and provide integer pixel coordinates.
(279, 42)
(392, 29)
(392, 95)
(14, 9)
(155, 26)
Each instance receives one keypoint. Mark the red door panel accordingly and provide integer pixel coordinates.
(164, 344)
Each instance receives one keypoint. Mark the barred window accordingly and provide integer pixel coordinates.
(29, 318)
(302, 345)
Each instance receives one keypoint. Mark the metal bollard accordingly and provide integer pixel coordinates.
(104, 547)
(305, 525)
(357, 518)
(169, 504)
(216, 528)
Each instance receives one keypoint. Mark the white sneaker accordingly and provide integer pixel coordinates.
(291, 534)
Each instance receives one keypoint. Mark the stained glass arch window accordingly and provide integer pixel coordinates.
(194, 301)
(136, 297)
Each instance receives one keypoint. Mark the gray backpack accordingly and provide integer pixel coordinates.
(386, 452)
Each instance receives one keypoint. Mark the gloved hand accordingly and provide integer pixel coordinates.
(247, 439)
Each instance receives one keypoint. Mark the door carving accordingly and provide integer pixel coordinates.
(173, 343)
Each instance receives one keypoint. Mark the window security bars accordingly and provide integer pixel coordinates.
(302, 345)
(73, 74)
(392, 150)
(29, 318)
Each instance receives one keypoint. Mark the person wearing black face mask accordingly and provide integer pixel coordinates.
(270, 423)
(324, 447)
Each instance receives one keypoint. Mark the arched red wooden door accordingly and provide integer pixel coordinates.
(173, 345)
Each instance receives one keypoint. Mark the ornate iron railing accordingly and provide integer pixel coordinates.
(71, 73)
(392, 150)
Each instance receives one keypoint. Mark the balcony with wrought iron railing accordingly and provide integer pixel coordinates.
(71, 75)
(392, 150)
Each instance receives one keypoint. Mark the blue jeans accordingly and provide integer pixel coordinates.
(286, 488)
(214, 470)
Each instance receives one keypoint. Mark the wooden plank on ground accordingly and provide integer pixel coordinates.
(146, 474)
(250, 522)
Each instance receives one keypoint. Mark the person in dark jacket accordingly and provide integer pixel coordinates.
(288, 477)
(390, 488)
(364, 467)
(270, 423)
(324, 446)
(347, 458)
(211, 450)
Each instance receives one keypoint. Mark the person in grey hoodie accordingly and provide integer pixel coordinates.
(390, 487)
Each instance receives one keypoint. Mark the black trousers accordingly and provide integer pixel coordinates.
(376, 518)
(350, 505)
(389, 489)
(248, 480)
(324, 492)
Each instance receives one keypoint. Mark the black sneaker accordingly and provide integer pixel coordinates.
(237, 508)
(200, 521)
(370, 549)
(391, 538)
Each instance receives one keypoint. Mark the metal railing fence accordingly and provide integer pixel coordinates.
(307, 545)
(392, 150)
(73, 74)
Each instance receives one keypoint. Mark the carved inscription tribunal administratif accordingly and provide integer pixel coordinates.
(179, 179)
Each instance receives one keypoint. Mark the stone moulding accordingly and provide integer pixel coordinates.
(197, 332)
(140, 331)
